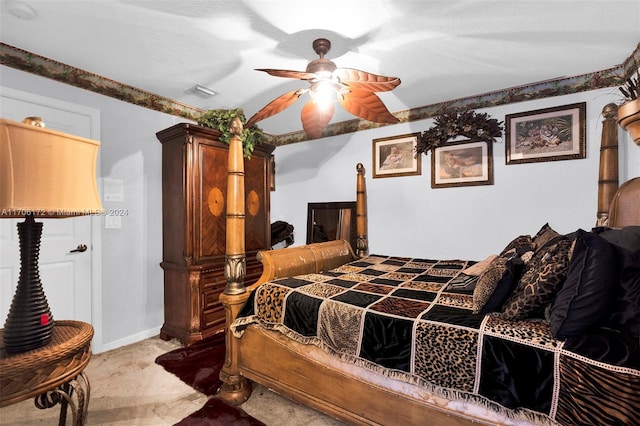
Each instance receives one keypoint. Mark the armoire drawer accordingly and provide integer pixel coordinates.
(213, 279)
(211, 298)
(213, 318)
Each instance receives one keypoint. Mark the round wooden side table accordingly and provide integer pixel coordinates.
(53, 374)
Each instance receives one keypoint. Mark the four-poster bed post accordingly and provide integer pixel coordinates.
(234, 387)
(608, 173)
(235, 261)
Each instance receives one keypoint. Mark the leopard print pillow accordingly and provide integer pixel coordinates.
(543, 236)
(542, 279)
(496, 283)
(519, 245)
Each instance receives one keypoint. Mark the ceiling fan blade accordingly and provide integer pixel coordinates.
(362, 80)
(367, 105)
(300, 75)
(315, 119)
(276, 105)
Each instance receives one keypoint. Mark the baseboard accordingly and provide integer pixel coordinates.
(134, 338)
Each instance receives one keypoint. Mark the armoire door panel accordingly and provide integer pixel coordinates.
(211, 217)
(257, 202)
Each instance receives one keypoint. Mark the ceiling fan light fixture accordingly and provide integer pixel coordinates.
(323, 93)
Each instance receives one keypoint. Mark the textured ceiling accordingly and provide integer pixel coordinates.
(441, 50)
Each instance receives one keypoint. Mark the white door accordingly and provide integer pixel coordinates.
(66, 275)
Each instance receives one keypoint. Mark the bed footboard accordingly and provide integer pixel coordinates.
(307, 259)
(276, 264)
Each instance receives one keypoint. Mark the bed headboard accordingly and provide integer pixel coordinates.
(625, 206)
(618, 206)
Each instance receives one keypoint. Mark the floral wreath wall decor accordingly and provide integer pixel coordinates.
(452, 124)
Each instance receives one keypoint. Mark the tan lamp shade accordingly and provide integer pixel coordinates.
(46, 173)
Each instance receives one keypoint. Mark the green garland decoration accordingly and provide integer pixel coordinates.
(452, 124)
(220, 119)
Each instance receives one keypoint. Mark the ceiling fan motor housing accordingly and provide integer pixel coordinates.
(321, 66)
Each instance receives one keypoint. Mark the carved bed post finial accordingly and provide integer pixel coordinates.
(236, 127)
(362, 242)
(608, 173)
(235, 262)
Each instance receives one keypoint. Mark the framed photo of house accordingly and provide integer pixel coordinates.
(548, 134)
(462, 163)
(396, 156)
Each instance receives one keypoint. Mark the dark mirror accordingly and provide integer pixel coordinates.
(331, 221)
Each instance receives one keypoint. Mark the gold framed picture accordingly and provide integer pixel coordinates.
(462, 163)
(396, 156)
(548, 134)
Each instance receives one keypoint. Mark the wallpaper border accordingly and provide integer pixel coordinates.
(35, 64)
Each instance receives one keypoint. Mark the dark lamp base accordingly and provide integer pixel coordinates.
(29, 324)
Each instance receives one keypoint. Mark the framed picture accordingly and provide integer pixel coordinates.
(548, 134)
(462, 163)
(396, 156)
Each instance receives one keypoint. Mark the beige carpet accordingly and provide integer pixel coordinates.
(128, 388)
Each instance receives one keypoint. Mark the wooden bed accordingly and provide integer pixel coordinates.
(306, 374)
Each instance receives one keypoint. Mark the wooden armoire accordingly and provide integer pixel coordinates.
(194, 188)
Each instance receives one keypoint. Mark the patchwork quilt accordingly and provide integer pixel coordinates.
(412, 320)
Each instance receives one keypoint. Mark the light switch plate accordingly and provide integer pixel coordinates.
(112, 222)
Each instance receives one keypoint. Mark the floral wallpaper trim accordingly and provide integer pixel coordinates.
(39, 65)
(35, 64)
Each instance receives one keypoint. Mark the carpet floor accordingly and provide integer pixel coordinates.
(129, 389)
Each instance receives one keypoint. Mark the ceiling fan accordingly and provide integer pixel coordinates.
(353, 88)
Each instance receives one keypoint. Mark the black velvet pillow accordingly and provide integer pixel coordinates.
(543, 236)
(626, 312)
(543, 276)
(587, 296)
(628, 237)
(496, 283)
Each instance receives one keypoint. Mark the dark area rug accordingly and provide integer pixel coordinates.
(199, 366)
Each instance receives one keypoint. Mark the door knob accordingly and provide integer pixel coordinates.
(81, 248)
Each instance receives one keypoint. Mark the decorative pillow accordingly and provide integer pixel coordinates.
(628, 237)
(526, 256)
(463, 283)
(543, 276)
(480, 267)
(519, 245)
(496, 284)
(588, 294)
(543, 236)
(626, 312)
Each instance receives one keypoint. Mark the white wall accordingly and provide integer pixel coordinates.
(132, 280)
(409, 218)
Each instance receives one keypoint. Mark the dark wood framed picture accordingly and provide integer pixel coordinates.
(462, 163)
(396, 156)
(548, 134)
